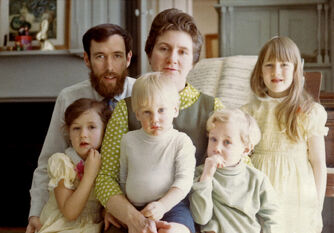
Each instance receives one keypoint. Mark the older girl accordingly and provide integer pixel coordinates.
(292, 149)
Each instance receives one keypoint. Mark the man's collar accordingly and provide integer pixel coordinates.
(123, 94)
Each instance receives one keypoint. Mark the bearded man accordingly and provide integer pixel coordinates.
(107, 53)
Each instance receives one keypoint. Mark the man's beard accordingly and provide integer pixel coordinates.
(108, 91)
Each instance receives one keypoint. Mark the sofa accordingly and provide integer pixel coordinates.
(226, 78)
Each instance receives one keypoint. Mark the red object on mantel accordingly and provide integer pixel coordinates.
(24, 42)
(327, 100)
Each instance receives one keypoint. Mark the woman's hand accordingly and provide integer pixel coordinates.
(92, 164)
(154, 210)
(33, 225)
(211, 164)
(109, 219)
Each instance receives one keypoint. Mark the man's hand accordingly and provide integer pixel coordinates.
(154, 210)
(33, 225)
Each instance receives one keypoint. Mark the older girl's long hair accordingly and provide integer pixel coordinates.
(298, 100)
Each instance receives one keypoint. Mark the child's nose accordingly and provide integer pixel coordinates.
(277, 70)
(218, 149)
(154, 117)
(83, 133)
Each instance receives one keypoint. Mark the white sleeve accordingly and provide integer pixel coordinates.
(54, 142)
(185, 165)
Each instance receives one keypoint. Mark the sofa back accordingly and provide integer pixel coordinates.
(227, 78)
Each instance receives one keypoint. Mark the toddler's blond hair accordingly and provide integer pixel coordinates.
(250, 133)
(151, 88)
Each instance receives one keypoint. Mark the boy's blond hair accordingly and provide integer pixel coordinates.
(250, 133)
(151, 88)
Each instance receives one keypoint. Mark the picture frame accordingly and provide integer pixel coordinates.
(32, 12)
(211, 45)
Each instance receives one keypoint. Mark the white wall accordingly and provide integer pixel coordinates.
(206, 18)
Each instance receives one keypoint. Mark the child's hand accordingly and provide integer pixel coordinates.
(92, 163)
(163, 227)
(211, 164)
(34, 224)
(154, 210)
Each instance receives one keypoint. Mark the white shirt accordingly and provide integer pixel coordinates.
(151, 165)
(55, 140)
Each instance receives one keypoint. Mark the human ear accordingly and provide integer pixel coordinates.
(86, 59)
(176, 109)
(128, 58)
(137, 115)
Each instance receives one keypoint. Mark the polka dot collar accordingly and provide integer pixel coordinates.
(188, 96)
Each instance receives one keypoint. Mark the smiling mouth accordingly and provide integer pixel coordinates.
(109, 77)
(276, 80)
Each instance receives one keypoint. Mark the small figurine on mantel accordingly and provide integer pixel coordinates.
(43, 38)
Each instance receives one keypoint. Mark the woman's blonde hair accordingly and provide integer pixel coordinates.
(250, 133)
(298, 100)
(151, 88)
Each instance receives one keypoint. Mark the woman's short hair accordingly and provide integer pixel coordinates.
(151, 88)
(250, 133)
(174, 20)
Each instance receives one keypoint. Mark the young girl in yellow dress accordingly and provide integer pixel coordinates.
(292, 150)
(72, 206)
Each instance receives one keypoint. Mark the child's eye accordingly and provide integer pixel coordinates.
(227, 142)
(161, 110)
(268, 65)
(182, 52)
(75, 128)
(213, 139)
(92, 127)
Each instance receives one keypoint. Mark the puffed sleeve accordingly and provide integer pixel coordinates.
(61, 167)
(314, 122)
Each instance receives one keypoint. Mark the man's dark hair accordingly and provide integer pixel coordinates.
(102, 32)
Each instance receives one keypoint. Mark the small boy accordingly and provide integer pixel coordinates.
(228, 195)
(157, 162)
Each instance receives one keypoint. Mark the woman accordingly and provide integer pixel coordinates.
(173, 47)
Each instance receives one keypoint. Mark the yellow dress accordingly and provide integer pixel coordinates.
(61, 166)
(287, 165)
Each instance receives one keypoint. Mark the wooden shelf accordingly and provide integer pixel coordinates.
(77, 52)
(327, 100)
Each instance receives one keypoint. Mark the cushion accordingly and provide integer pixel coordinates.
(205, 75)
(227, 78)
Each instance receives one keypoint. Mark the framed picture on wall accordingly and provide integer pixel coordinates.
(24, 18)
